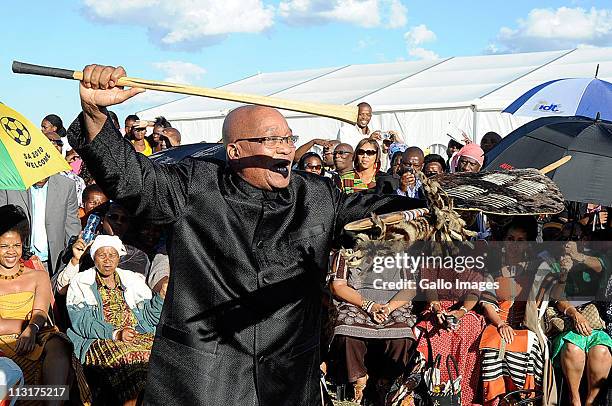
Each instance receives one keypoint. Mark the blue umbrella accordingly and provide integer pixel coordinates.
(566, 97)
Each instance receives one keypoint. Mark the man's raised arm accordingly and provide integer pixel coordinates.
(98, 91)
(158, 192)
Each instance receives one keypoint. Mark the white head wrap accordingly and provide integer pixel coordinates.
(107, 241)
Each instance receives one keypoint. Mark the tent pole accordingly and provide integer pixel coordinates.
(474, 123)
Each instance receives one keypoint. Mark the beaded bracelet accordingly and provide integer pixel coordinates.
(366, 305)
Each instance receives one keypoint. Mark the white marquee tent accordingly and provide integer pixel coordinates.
(424, 100)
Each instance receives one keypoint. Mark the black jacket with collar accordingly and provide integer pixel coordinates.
(241, 318)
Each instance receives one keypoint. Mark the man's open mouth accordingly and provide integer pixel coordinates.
(282, 167)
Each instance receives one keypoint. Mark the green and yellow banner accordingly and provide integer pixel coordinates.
(26, 155)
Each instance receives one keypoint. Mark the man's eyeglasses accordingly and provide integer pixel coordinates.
(368, 152)
(271, 142)
(342, 153)
(58, 142)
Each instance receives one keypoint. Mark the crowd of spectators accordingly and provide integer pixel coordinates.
(82, 311)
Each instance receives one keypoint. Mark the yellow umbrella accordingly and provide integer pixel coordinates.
(26, 155)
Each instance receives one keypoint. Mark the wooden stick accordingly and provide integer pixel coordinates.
(555, 165)
(337, 111)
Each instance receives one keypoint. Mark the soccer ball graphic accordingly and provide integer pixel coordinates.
(16, 130)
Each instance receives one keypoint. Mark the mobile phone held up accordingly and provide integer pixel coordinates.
(89, 232)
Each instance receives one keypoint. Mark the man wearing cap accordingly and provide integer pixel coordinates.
(248, 245)
(469, 158)
(139, 132)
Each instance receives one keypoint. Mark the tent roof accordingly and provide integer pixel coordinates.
(487, 81)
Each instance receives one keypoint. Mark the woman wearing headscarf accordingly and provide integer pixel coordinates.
(113, 314)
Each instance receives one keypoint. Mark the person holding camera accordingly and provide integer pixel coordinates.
(386, 139)
(406, 181)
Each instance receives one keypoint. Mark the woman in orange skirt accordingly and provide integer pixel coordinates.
(512, 355)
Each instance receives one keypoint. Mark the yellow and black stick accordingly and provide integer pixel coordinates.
(337, 111)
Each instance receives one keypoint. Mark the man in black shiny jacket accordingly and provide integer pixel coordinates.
(248, 244)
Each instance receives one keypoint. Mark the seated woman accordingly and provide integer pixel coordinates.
(113, 315)
(582, 349)
(451, 325)
(369, 321)
(511, 339)
(41, 351)
(115, 221)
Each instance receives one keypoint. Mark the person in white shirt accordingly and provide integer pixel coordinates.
(352, 134)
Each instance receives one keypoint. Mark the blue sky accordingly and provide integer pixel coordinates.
(210, 43)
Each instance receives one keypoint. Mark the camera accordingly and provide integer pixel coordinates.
(405, 169)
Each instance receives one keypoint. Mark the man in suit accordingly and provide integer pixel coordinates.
(248, 244)
(405, 182)
(52, 207)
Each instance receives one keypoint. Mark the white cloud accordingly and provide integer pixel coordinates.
(422, 53)
(185, 24)
(364, 43)
(397, 14)
(419, 35)
(491, 49)
(180, 72)
(563, 28)
(363, 13)
(175, 72)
